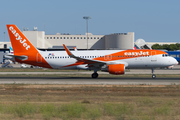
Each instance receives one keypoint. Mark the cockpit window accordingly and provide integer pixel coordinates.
(165, 55)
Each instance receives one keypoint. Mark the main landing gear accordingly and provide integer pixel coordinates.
(94, 75)
(153, 75)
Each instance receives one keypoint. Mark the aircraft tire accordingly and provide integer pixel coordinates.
(153, 76)
(94, 75)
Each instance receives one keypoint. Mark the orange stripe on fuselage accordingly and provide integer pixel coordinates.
(121, 55)
(127, 54)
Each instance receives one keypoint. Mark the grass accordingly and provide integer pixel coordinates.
(50, 110)
(75, 110)
(114, 109)
(146, 101)
(66, 111)
(91, 102)
(20, 110)
(94, 113)
(162, 110)
(47, 111)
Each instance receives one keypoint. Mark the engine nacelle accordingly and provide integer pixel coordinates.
(116, 69)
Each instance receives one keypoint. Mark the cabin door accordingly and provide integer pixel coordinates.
(153, 57)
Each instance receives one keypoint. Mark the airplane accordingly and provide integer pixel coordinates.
(11, 50)
(112, 61)
(75, 49)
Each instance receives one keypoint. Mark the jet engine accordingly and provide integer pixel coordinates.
(116, 69)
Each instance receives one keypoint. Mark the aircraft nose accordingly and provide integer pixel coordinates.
(175, 61)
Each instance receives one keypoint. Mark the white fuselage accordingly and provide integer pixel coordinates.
(60, 59)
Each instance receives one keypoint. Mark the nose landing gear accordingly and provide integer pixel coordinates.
(153, 75)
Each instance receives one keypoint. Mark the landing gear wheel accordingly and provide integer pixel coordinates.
(153, 76)
(94, 75)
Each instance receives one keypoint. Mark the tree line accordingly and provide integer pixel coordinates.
(171, 47)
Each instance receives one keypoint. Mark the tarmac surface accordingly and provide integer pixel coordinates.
(132, 71)
(99, 80)
(88, 80)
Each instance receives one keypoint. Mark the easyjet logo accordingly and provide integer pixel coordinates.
(137, 53)
(19, 38)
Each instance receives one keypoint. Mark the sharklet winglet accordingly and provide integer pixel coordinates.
(67, 50)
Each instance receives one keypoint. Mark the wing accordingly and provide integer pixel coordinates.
(81, 61)
(90, 62)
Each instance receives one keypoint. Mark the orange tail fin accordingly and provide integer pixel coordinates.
(19, 42)
(24, 51)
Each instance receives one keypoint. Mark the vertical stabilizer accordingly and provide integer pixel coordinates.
(24, 51)
(20, 43)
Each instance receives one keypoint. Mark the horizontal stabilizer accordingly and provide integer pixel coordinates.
(22, 57)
